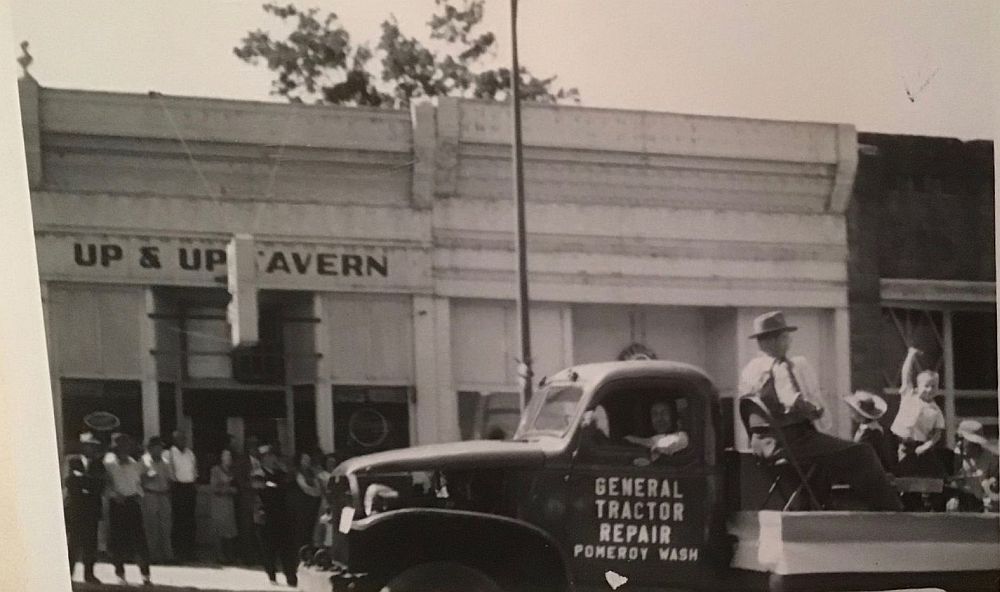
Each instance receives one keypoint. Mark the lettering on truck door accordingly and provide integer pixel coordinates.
(632, 511)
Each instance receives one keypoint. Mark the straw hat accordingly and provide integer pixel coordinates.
(867, 405)
(972, 430)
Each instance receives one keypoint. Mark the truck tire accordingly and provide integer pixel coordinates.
(441, 576)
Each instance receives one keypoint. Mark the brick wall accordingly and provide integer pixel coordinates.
(922, 208)
(933, 200)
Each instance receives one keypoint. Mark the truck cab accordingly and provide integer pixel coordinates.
(616, 475)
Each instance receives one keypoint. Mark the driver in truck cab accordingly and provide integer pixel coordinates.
(780, 400)
(668, 437)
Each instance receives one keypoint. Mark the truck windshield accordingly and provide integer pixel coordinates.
(550, 412)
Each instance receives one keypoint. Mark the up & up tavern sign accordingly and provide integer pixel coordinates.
(203, 262)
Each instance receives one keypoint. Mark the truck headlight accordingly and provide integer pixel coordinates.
(376, 496)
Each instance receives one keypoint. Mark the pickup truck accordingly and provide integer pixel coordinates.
(573, 503)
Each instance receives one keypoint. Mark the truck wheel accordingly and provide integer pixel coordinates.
(442, 576)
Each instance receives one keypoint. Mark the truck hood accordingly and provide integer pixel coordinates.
(455, 455)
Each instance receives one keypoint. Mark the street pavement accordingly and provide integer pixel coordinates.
(177, 578)
(203, 578)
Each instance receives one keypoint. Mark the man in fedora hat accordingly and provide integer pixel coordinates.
(978, 470)
(780, 400)
(866, 410)
(84, 482)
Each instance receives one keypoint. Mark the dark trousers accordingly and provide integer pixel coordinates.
(845, 462)
(306, 510)
(248, 543)
(276, 546)
(81, 540)
(126, 535)
(182, 498)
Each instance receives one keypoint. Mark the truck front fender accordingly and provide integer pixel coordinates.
(516, 554)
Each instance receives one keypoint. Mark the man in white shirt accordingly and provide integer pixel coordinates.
(780, 400)
(184, 473)
(126, 534)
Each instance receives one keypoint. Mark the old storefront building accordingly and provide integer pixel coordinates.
(366, 258)
(923, 270)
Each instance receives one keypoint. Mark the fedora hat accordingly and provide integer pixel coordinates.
(867, 404)
(770, 323)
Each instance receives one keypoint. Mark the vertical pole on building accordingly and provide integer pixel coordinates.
(523, 308)
(950, 411)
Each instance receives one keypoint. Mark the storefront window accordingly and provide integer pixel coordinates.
(903, 328)
(974, 340)
(208, 342)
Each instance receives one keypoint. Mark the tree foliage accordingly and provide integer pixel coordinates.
(319, 62)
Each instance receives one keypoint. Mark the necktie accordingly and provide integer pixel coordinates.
(788, 394)
(791, 374)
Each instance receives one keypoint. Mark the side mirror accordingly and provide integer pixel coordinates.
(588, 419)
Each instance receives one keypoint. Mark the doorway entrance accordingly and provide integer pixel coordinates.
(220, 414)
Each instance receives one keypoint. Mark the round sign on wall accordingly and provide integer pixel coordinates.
(368, 427)
(101, 421)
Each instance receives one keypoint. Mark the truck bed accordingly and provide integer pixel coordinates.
(925, 549)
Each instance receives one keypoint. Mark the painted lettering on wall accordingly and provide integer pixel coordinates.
(196, 259)
(346, 265)
(90, 254)
(636, 519)
(200, 259)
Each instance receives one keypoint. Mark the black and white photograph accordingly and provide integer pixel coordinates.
(499, 295)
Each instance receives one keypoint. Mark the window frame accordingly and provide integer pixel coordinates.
(609, 454)
(950, 393)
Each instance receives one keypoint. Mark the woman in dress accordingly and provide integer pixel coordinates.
(305, 499)
(223, 507)
(323, 476)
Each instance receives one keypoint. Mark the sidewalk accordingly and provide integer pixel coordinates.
(172, 578)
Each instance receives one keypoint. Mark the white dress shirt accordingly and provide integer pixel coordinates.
(757, 370)
(183, 465)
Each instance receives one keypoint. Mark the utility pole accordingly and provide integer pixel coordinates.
(524, 367)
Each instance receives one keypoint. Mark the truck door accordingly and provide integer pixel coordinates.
(634, 509)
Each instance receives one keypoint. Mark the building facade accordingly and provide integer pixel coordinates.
(921, 230)
(381, 279)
